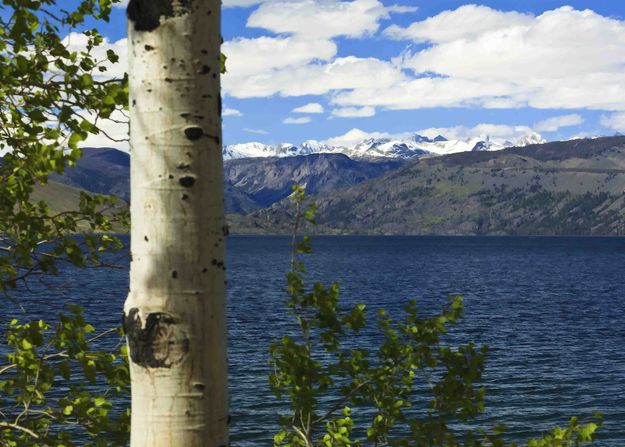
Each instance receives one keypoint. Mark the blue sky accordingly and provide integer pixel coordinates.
(318, 69)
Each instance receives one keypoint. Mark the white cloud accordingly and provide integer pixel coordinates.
(466, 22)
(424, 92)
(300, 120)
(560, 59)
(401, 9)
(259, 56)
(474, 56)
(497, 132)
(353, 137)
(353, 112)
(557, 60)
(312, 107)
(256, 131)
(121, 4)
(322, 19)
(316, 78)
(557, 44)
(231, 112)
(614, 121)
(553, 124)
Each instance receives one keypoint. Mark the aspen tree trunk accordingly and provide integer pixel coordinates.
(174, 315)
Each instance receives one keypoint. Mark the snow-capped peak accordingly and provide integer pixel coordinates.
(315, 147)
(383, 147)
(530, 138)
(245, 150)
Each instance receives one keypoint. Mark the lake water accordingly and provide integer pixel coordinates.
(552, 311)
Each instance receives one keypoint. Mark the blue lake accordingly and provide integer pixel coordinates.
(552, 311)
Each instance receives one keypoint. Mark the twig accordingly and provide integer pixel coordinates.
(20, 428)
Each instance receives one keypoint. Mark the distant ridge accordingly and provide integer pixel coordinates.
(571, 187)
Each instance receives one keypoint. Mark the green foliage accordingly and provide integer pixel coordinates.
(51, 100)
(414, 389)
(56, 387)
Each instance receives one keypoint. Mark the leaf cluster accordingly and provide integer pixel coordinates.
(57, 389)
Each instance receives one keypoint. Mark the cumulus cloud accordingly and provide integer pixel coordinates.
(426, 92)
(496, 132)
(560, 59)
(474, 56)
(322, 19)
(344, 73)
(353, 137)
(259, 56)
(312, 107)
(614, 121)
(554, 124)
(231, 112)
(466, 22)
(300, 120)
(353, 112)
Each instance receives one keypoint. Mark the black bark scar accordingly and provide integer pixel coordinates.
(160, 344)
(187, 181)
(193, 132)
(146, 14)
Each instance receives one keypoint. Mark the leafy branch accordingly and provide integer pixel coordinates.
(47, 398)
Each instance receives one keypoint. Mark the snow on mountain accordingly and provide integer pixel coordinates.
(384, 147)
(415, 145)
(246, 150)
(531, 138)
(315, 147)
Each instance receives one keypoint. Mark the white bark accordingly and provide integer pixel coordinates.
(175, 310)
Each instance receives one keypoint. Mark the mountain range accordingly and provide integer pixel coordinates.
(562, 188)
(370, 148)
(569, 187)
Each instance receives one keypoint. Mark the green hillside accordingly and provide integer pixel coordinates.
(559, 188)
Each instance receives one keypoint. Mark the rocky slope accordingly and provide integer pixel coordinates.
(268, 180)
(250, 183)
